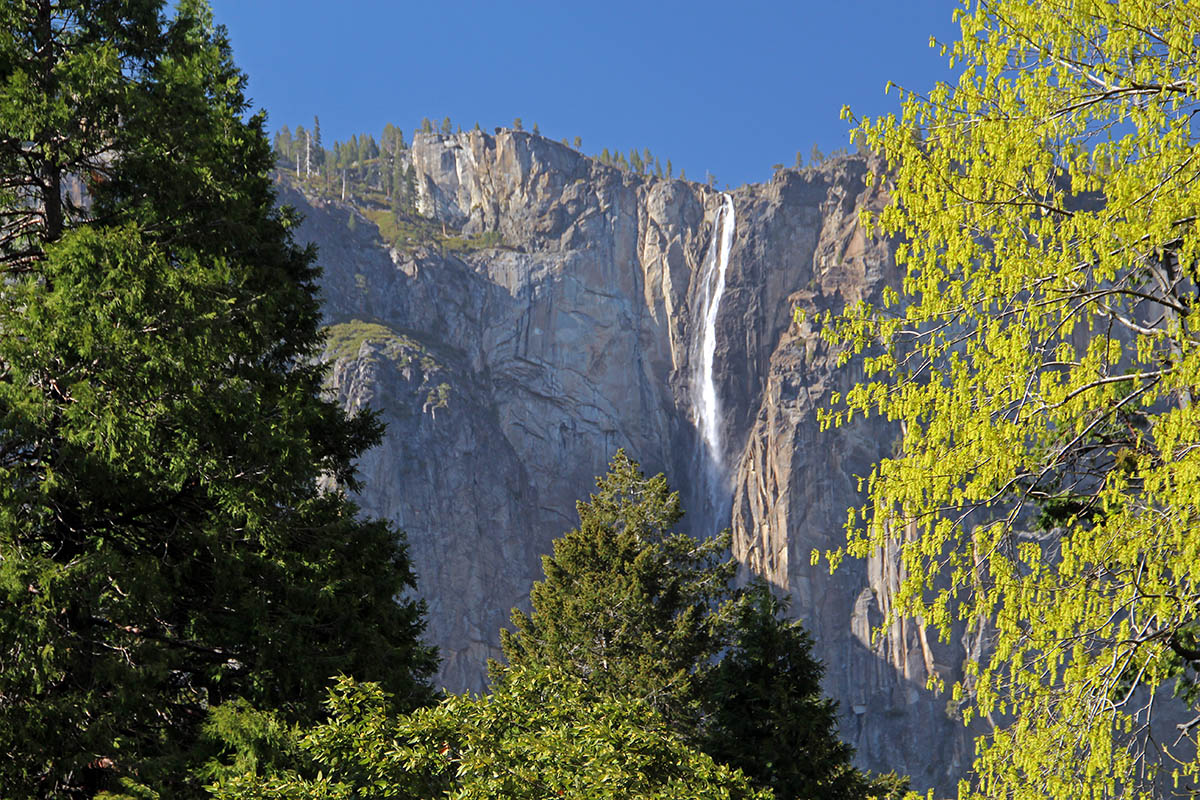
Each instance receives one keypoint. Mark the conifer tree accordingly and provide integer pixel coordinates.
(637, 610)
(447, 128)
(164, 546)
(628, 604)
(301, 150)
(318, 152)
(387, 140)
(283, 143)
(765, 712)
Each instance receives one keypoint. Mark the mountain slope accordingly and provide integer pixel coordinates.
(554, 316)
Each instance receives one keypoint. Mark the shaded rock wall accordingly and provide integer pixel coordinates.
(573, 338)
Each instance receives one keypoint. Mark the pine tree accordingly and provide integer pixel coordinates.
(447, 128)
(426, 125)
(669, 169)
(765, 712)
(318, 152)
(517, 124)
(283, 143)
(628, 604)
(164, 546)
(637, 610)
(578, 143)
(300, 149)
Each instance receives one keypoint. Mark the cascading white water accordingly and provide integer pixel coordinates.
(705, 403)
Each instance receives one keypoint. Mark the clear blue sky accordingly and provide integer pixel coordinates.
(727, 87)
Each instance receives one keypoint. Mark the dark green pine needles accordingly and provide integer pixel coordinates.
(628, 604)
(164, 545)
(634, 609)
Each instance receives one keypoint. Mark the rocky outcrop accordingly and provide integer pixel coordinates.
(509, 375)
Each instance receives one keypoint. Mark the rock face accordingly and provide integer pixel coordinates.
(508, 377)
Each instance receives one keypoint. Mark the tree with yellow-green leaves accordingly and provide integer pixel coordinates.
(1043, 357)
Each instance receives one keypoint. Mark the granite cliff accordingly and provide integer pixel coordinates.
(509, 373)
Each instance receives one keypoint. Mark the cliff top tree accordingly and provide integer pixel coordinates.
(1043, 355)
(164, 547)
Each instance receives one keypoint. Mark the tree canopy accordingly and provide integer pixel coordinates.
(164, 543)
(640, 611)
(1042, 356)
(543, 734)
(628, 604)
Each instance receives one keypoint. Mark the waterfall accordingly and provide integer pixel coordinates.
(706, 406)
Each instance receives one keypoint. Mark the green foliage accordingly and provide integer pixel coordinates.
(164, 548)
(407, 232)
(1042, 355)
(627, 604)
(344, 340)
(542, 735)
(488, 240)
(765, 712)
(636, 610)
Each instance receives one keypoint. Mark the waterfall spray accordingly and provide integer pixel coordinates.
(705, 403)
